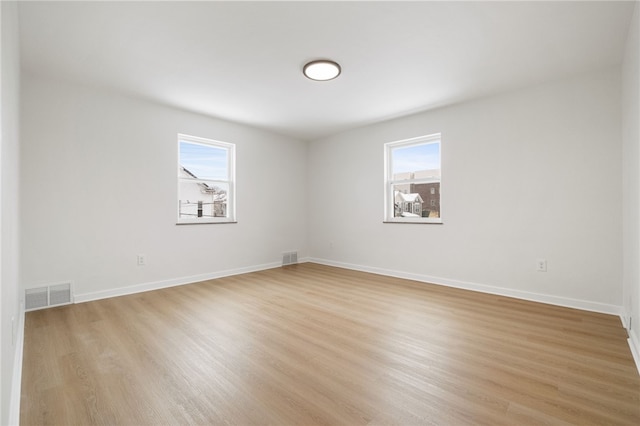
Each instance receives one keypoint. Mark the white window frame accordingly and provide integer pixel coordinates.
(389, 182)
(230, 181)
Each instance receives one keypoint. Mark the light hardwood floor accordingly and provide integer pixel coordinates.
(310, 344)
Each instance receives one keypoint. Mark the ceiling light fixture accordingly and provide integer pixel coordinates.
(321, 70)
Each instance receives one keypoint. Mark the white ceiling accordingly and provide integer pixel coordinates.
(242, 61)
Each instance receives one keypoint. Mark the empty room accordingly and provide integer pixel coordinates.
(305, 213)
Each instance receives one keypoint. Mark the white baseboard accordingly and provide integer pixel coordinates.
(157, 285)
(624, 318)
(584, 305)
(634, 345)
(16, 378)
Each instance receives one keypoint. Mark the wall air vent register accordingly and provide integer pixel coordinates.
(48, 296)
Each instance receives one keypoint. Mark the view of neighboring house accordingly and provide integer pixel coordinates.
(198, 199)
(407, 205)
(430, 193)
(427, 192)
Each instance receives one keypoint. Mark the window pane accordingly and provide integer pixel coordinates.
(407, 160)
(203, 161)
(405, 202)
(200, 199)
(416, 200)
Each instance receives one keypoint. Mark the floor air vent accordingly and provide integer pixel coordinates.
(49, 296)
(290, 258)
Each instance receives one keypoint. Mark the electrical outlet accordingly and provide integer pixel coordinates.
(541, 265)
(142, 260)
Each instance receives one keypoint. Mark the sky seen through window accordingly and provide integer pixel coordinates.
(415, 158)
(204, 161)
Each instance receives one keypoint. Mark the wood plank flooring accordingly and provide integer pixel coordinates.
(315, 345)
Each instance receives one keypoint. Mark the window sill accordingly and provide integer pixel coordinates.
(207, 223)
(413, 222)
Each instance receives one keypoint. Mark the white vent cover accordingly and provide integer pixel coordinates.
(36, 298)
(290, 258)
(48, 296)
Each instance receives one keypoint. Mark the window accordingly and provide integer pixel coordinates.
(206, 181)
(412, 180)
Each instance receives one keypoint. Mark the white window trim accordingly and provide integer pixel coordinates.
(389, 183)
(231, 167)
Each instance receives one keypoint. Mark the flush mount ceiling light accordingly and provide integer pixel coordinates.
(321, 70)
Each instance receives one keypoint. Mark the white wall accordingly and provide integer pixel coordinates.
(9, 213)
(528, 174)
(631, 180)
(99, 187)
